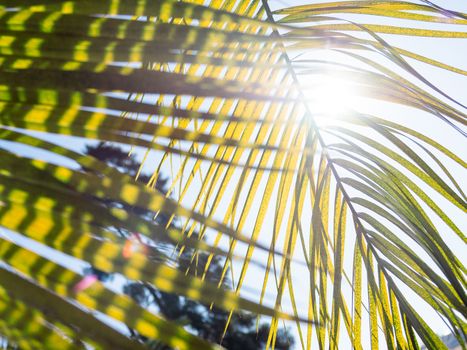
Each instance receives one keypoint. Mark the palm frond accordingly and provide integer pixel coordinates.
(349, 224)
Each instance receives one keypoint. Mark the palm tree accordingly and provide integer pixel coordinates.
(347, 229)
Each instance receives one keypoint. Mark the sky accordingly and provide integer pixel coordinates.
(451, 51)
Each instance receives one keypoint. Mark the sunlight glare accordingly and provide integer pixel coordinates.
(330, 97)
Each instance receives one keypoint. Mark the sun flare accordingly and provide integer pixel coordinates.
(331, 96)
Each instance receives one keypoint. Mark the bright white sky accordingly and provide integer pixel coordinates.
(451, 51)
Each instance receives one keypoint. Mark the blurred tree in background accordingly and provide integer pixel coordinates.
(243, 332)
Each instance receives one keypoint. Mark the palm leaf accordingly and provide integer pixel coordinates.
(211, 89)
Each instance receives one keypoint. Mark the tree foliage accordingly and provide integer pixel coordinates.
(208, 323)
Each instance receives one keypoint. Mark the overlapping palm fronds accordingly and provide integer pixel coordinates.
(348, 227)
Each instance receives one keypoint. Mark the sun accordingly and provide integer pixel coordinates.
(331, 96)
